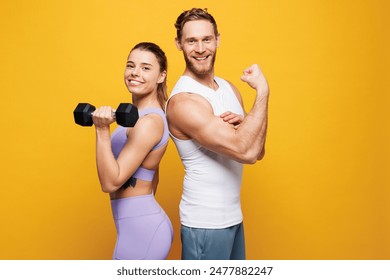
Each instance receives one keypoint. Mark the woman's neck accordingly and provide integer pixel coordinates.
(142, 102)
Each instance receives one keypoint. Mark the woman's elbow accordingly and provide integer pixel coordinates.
(109, 188)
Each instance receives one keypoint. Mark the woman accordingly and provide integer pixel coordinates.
(127, 162)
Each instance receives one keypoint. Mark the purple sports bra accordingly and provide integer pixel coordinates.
(119, 139)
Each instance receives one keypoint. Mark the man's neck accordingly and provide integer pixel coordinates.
(206, 80)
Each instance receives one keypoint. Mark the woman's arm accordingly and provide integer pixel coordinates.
(112, 172)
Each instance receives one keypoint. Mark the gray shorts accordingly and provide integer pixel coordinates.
(213, 244)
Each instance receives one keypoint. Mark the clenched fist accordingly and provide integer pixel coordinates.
(255, 78)
(103, 117)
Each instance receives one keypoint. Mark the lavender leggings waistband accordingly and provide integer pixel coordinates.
(134, 206)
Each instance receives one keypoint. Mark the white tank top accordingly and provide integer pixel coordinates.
(212, 182)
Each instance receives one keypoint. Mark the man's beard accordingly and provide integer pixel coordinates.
(205, 70)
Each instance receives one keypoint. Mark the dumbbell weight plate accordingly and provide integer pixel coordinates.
(126, 115)
(83, 114)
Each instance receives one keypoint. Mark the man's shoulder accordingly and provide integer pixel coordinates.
(184, 99)
(185, 105)
(187, 113)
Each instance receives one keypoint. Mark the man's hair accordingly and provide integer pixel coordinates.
(193, 14)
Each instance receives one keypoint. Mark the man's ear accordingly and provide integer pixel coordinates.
(218, 40)
(178, 45)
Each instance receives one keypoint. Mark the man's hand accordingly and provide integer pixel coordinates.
(254, 77)
(232, 118)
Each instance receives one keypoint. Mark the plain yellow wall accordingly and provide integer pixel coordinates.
(322, 191)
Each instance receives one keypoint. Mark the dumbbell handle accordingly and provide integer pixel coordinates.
(112, 114)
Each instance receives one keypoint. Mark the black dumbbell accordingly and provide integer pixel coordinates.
(126, 114)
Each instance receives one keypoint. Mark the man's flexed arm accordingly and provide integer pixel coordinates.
(259, 113)
(190, 116)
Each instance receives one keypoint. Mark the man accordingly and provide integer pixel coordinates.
(206, 121)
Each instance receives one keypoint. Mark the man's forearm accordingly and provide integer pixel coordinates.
(253, 130)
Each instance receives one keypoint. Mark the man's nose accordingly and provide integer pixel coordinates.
(200, 47)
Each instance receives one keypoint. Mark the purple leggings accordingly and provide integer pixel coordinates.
(144, 231)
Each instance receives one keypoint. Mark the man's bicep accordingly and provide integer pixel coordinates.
(194, 117)
(191, 117)
(212, 132)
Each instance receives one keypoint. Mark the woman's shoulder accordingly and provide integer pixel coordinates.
(151, 123)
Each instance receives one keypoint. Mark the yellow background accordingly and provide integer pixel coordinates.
(322, 191)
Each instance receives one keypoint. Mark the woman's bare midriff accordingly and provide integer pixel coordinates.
(141, 188)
